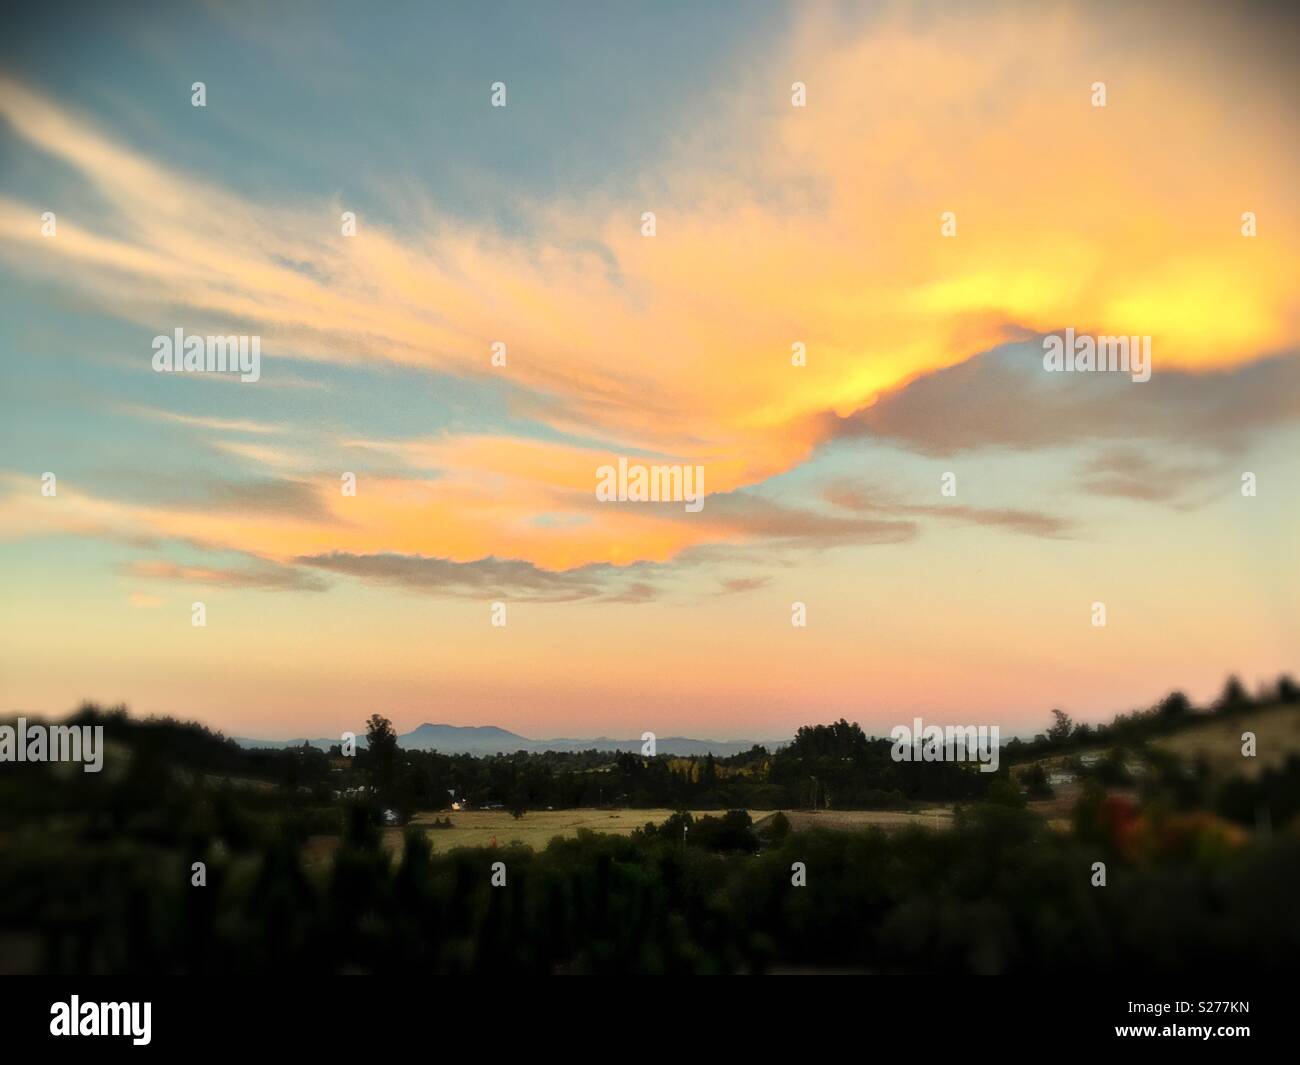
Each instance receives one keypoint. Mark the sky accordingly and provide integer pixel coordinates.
(866, 219)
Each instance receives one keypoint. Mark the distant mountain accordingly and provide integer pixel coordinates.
(488, 739)
(679, 745)
(463, 739)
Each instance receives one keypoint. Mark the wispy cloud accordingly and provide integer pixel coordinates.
(507, 579)
(1127, 473)
(220, 425)
(737, 585)
(261, 575)
(1027, 522)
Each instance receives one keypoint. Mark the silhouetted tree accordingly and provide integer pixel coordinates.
(1061, 728)
(1234, 695)
(381, 748)
(1175, 704)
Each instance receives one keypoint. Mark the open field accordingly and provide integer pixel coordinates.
(1218, 742)
(478, 828)
(486, 828)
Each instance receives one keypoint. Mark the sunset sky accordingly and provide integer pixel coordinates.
(776, 225)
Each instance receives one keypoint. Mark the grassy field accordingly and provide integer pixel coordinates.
(1218, 742)
(486, 828)
(479, 828)
(1277, 736)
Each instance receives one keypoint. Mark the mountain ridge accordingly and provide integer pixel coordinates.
(492, 739)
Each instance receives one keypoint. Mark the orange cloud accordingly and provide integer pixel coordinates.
(1112, 219)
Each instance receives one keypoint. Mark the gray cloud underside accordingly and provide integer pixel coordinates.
(1127, 473)
(1004, 398)
(1029, 522)
(488, 578)
(773, 524)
